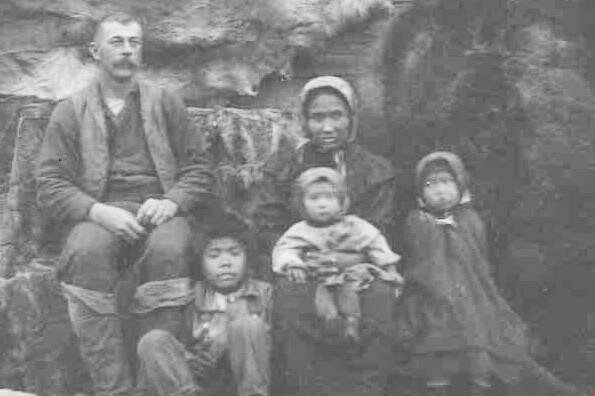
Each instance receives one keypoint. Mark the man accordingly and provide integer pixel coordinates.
(120, 166)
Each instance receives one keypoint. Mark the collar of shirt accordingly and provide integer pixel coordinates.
(133, 94)
(209, 300)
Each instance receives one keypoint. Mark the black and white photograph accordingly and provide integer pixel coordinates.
(297, 198)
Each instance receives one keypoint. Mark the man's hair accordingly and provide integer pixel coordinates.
(120, 17)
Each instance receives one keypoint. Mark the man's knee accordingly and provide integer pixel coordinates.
(88, 238)
(90, 257)
(172, 237)
(153, 341)
(168, 250)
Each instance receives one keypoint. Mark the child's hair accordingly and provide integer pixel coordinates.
(223, 225)
(315, 175)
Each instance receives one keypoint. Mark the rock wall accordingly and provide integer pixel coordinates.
(206, 49)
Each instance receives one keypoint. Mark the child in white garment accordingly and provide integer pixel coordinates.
(309, 249)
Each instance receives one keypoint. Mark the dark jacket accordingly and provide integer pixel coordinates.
(255, 298)
(74, 159)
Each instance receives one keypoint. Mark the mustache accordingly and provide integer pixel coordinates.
(126, 63)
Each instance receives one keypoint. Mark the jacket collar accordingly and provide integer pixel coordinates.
(204, 295)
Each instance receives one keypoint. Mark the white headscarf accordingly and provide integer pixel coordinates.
(342, 88)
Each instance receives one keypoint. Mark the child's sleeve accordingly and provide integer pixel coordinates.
(479, 231)
(288, 249)
(380, 253)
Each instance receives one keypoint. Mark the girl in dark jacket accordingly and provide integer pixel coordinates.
(452, 319)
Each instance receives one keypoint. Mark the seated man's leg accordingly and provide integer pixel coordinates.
(90, 261)
(250, 354)
(164, 369)
(164, 274)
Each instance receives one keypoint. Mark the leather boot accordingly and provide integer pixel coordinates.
(102, 349)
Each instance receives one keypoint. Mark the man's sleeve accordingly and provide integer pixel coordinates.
(195, 180)
(58, 194)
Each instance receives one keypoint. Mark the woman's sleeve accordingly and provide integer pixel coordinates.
(377, 205)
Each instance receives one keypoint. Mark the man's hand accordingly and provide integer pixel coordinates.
(119, 221)
(156, 211)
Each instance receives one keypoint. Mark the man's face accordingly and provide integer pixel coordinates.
(117, 48)
(224, 263)
(328, 122)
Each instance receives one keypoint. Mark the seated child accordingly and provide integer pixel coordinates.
(310, 249)
(227, 322)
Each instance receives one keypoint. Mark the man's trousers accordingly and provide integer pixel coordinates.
(92, 263)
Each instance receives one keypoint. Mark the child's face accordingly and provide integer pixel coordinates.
(224, 263)
(440, 191)
(321, 202)
(328, 122)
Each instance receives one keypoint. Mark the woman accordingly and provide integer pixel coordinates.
(329, 119)
(312, 361)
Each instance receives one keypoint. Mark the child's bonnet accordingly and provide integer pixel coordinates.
(320, 174)
(455, 166)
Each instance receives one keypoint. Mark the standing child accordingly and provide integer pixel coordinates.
(311, 248)
(453, 320)
(227, 325)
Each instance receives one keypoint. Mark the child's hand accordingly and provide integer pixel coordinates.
(396, 277)
(296, 273)
(202, 363)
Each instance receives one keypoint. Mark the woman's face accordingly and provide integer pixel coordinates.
(328, 121)
(224, 263)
